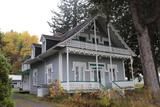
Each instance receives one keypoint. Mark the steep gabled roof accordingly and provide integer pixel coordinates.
(71, 33)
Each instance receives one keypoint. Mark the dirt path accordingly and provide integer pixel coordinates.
(21, 101)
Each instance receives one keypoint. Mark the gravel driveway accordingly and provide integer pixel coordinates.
(21, 101)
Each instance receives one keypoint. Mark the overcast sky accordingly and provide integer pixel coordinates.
(26, 15)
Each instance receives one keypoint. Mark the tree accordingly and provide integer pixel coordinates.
(5, 83)
(18, 47)
(71, 13)
(141, 10)
(142, 18)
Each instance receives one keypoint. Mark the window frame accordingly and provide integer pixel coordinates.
(35, 77)
(49, 75)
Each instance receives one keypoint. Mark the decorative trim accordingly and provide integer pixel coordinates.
(93, 53)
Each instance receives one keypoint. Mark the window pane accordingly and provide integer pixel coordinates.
(77, 74)
(83, 39)
(106, 43)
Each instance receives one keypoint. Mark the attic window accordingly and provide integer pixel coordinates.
(83, 39)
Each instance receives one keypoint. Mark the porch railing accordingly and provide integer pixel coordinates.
(123, 84)
(81, 85)
(90, 46)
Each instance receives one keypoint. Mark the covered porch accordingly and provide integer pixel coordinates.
(97, 71)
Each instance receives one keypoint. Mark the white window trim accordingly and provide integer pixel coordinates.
(35, 77)
(116, 69)
(43, 45)
(33, 52)
(79, 64)
(47, 76)
(91, 70)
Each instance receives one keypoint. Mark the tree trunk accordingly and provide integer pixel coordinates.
(148, 63)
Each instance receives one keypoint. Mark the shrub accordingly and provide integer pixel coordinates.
(56, 91)
(5, 83)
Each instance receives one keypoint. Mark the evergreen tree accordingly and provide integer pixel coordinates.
(71, 13)
(5, 83)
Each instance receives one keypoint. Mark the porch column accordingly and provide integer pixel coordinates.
(67, 56)
(131, 60)
(95, 39)
(110, 49)
(60, 67)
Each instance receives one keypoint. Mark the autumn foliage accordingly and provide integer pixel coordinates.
(17, 47)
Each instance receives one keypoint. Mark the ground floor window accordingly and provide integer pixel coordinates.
(79, 71)
(35, 76)
(113, 72)
(49, 74)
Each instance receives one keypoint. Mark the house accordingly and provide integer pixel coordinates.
(88, 57)
(25, 68)
(16, 81)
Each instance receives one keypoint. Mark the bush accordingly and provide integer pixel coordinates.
(5, 83)
(56, 91)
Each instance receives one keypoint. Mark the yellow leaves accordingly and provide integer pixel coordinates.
(18, 47)
(19, 42)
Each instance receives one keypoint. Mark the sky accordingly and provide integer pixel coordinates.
(26, 15)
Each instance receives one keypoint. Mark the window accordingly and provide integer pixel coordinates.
(83, 39)
(79, 68)
(93, 40)
(77, 74)
(106, 43)
(49, 74)
(35, 76)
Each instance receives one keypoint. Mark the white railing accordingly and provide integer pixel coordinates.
(81, 85)
(90, 46)
(123, 84)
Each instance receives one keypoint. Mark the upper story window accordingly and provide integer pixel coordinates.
(83, 39)
(106, 43)
(93, 40)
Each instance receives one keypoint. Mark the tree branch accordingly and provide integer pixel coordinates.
(135, 17)
(156, 15)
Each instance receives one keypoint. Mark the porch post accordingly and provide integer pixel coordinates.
(95, 39)
(131, 60)
(67, 70)
(60, 67)
(110, 49)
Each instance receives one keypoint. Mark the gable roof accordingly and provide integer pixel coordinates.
(36, 45)
(58, 38)
(71, 33)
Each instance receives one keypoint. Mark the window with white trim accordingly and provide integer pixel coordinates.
(79, 71)
(49, 74)
(35, 76)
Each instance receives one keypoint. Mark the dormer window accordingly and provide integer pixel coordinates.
(83, 39)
